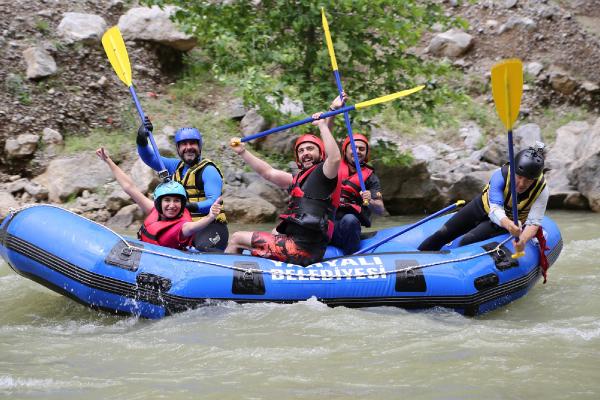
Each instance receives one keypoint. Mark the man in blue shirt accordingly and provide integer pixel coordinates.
(201, 178)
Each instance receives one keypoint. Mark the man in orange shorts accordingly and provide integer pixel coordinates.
(306, 226)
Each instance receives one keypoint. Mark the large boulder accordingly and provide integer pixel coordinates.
(145, 178)
(22, 146)
(76, 27)
(153, 24)
(249, 210)
(252, 123)
(409, 189)
(585, 170)
(452, 43)
(269, 192)
(469, 185)
(68, 177)
(40, 63)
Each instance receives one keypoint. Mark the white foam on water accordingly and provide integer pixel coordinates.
(8, 382)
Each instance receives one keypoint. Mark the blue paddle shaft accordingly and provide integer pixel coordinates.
(152, 142)
(338, 82)
(513, 185)
(297, 123)
(384, 240)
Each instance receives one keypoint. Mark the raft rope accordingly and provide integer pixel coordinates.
(130, 247)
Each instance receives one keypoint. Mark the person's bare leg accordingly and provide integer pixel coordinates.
(238, 242)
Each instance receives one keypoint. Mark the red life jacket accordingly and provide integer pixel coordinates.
(165, 232)
(315, 215)
(350, 199)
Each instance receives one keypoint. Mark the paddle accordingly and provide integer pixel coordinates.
(338, 82)
(114, 46)
(428, 218)
(507, 88)
(356, 106)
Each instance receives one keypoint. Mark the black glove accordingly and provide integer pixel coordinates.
(142, 133)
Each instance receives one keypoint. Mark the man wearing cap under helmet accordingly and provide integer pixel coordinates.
(305, 228)
(202, 179)
(355, 205)
(490, 214)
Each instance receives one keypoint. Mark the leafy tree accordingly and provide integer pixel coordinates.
(277, 47)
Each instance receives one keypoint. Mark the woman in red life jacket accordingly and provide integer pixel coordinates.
(168, 223)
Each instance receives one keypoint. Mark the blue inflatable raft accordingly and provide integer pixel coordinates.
(99, 268)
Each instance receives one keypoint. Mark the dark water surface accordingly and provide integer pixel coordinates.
(545, 345)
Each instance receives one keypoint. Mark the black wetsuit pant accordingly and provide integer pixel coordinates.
(472, 221)
(213, 238)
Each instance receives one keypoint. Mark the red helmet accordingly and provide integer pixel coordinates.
(356, 136)
(312, 139)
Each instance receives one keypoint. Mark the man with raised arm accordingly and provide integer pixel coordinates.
(201, 178)
(306, 226)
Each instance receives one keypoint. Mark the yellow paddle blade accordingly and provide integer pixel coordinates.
(114, 46)
(328, 40)
(387, 98)
(507, 89)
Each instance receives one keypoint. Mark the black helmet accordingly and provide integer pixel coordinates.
(529, 163)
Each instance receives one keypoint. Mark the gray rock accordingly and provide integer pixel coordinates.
(452, 43)
(64, 177)
(7, 201)
(495, 152)
(22, 146)
(269, 192)
(424, 152)
(50, 136)
(509, 4)
(153, 24)
(471, 134)
(252, 123)
(40, 63)
(287, 106)
(125, 217)
(279, 143)
(409, 189)
(526, 135)
(249, 210)
(516, 21)
(469, 186)
(76, 27)
(145, 178)
(534, 68)
(235, 109)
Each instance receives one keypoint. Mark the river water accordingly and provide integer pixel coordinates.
(545, 345)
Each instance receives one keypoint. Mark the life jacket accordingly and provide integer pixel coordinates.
(194, 187)
(524, 200)
(165, 232)
(315, 215)
(350, 199)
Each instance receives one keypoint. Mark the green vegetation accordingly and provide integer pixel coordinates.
(277, 48)
(16, 86)
(117, 143)
(42, 26)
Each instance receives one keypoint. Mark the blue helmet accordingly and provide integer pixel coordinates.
(188, 134)
(170, 188)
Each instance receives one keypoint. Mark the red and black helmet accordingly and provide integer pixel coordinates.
(312, 139)
(356, 136)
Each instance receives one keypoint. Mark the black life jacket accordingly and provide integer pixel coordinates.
(314, 215)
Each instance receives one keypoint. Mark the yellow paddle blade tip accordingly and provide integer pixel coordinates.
(388, 97)
(517, 255)
(507, 89)
(114, 46)
(460, 203)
